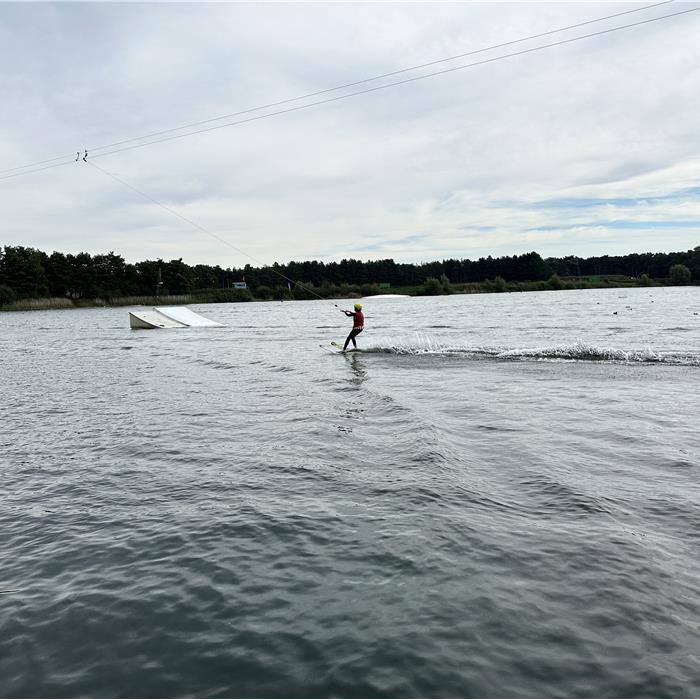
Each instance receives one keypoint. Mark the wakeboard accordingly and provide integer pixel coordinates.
(338, 349)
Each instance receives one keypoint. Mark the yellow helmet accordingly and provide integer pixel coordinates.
(358, 307)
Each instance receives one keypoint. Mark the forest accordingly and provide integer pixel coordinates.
(28, 273)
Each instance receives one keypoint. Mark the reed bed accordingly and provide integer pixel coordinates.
(152, 300)
(38, 304)
(66, 303)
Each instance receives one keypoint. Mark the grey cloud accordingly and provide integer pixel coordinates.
(465, 152)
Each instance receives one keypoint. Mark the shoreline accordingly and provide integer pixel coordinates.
(497, 286)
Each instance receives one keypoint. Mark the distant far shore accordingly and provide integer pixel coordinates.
(431, 287)
(33, 279)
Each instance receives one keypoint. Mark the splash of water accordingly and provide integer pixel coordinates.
(423, 344)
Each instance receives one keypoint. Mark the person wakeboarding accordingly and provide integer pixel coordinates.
(358, 325)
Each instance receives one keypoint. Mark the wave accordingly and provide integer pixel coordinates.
(575, 352)
(593, 353)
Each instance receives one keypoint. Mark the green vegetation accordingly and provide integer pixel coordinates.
(7, 296)
(432, 287)
(30, 278)
(680, 274)
(555, 282)
(499, 284)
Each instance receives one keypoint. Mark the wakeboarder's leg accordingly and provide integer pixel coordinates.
(353, 333)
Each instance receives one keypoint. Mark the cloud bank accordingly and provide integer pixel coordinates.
(586, 148)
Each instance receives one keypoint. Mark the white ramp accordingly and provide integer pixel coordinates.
(387, 296)
(152, 319)
(185, 316)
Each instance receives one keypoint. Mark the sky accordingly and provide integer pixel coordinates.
(590, 147)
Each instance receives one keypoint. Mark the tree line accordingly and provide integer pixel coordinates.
(28, 273)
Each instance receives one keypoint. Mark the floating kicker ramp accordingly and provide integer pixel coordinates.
(169, 317)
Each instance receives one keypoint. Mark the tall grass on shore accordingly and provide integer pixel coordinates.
(37, 304)
(153, 301)
(202, 297)
(66, 303)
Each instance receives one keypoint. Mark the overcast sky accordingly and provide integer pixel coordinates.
(587, 148)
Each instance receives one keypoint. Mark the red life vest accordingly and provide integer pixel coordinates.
(359, 320)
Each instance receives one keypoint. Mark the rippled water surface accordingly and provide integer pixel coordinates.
(500, 497)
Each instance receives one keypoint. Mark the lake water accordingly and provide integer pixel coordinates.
(499, 498)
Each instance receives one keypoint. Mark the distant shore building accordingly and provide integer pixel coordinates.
(240, 285)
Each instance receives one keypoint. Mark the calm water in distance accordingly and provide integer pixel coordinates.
(499, 498)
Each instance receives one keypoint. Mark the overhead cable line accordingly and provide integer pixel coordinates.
(352, 84)
(36, 170)
(345, 86)
(394, 84)
(165, 207)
